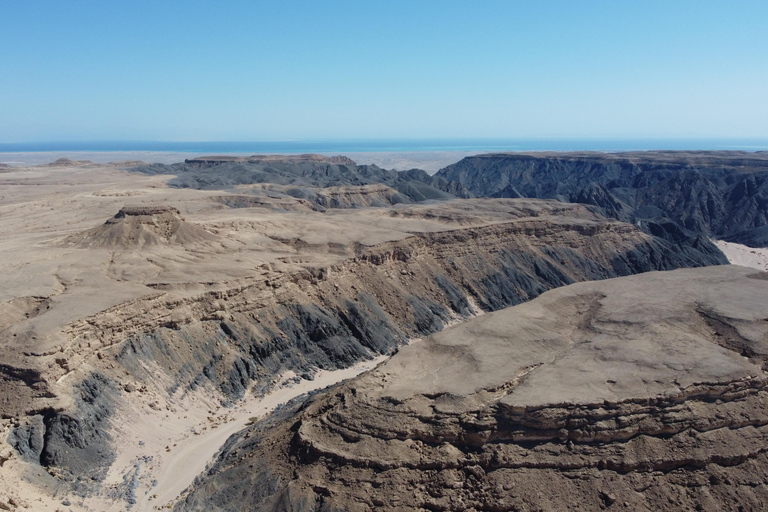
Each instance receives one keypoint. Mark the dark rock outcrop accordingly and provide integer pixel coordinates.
(255, 159)
(639, 393)
(716, 194)
(304, 177)
(247, 332)
(28, 438)
(75, 443)
(332, 318)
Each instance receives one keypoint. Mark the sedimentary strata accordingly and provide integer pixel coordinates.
(723, 194)
(638, 393)
(134, 227)
(308, 177)
(246, 333)
(189, 299)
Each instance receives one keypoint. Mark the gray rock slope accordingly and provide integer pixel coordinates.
(301, 175)
(328, 318)
(675, 194)
(660, 192)
(639, 393)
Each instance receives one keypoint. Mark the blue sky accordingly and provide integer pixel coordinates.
(249, 70)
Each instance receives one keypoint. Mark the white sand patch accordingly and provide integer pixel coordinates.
(16, 492)
(743, 255)
(161, 450)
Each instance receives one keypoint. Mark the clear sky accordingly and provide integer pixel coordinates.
(257, 70)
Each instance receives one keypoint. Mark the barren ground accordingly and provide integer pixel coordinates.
(50, 281)
(94, 255)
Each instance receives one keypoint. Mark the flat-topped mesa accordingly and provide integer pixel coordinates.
(153, 215)
(139, 226)
(146, 210)
(595, 362)
(307, 157)
(725, 191)
(724, 159)
(66, 162)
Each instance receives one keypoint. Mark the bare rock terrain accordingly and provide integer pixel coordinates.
(326, 182)
(638, 393)
(675, 194)
(159, 299)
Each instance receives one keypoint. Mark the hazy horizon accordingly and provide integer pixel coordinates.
(392, 145)
(427, 154)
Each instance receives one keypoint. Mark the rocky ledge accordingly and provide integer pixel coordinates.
(135, 211)
(638, 393)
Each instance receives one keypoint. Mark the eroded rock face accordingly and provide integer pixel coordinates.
(325, 182)
(227, 338)
(640, 393)
(327, 318)
(334, 317)
(722, 194)
(310, 157)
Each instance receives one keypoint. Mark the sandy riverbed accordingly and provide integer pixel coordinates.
(194, 453)
(745, 256)
(159, 455)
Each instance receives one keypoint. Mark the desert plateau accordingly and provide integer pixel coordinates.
(434, 256)
(517, 331)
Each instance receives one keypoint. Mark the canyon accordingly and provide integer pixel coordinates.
(147, 306)
(632, 393)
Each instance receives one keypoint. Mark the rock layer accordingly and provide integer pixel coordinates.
(722, 194)
(332, 317)
(308, 177)
(148, 317)
(639, 393)
(248, 333)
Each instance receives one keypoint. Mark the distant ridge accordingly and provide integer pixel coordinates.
(66, 162)
(674, 194)
(254, 159)
(307, 177)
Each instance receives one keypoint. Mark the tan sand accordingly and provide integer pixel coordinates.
(56, 278)
(167, 451)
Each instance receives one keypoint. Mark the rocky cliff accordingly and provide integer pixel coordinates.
(124, 338)
(717, 194)
(305, 177)
(639, 393)
(250, 331)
